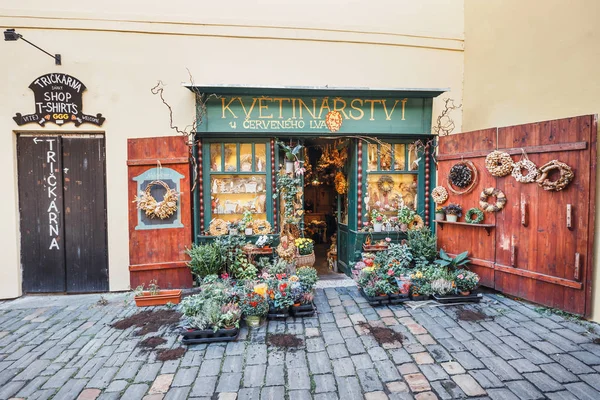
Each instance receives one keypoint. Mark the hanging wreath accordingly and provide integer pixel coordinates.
(417, 223)
(261, 227)
(478, 216)
(341, 185)
(460, 177)
(566, 176)
(499, 163)
(218, 227)
(385, 184)
(286, 249)
(162, 209)
(529, 166)
(500, 200)
(439, 195)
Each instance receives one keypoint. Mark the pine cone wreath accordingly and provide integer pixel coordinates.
(461, 175)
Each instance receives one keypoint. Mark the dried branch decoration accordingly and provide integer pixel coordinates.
(444, 124)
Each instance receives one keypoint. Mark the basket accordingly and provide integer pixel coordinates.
(305, 261)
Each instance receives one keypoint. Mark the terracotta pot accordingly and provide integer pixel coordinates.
(465, 293)
(296, 304)
(452, 218)
(163, 297)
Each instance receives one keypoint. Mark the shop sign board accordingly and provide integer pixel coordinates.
(58, 99)
(317, 114)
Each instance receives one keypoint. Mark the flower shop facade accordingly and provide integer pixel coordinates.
(379, 140)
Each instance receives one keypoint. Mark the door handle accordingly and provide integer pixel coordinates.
(523, 213)
(569, 216)
(577, 263)
(513, 256)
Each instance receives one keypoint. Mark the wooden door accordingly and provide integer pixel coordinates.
(541, 245)
(41, 211)
(544, 254)
(157, 248)
(62, 206)
(86, 252)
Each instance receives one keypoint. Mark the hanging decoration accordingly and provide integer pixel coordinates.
(439, 194)
(334, 120)
(500, 200)
(417, 223)
(566, 176)
(286, 249)
(261, 227)
(478, 216)
(385, 184)
(218, 227)
(462, 177)
(525, 164)
(341, 185)
(499, 163)
(152, 208)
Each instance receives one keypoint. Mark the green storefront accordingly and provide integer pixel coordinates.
(384, 134)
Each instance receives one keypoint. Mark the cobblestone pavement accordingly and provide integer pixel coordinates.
(64, 348)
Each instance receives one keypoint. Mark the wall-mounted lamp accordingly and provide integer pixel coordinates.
(10, 36)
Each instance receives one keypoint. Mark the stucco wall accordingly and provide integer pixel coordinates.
(119, 50)
(532, 61)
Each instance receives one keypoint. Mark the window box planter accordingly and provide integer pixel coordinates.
(472, 297)
(376, 300)
(303, 310)
(163, 297)
(277, 313)
(195, 336)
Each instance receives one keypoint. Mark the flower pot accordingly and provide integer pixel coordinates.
(376, 300)
(307, 260)
(276, 313)
(253, 321)
(377, 227)
(451, 217)
(465, 293)
(472, 297)
(248, 231)
(303, 310)
(196, 336)
(233, 232)
(289, 167)
(439, 216)
(163, 297)
(403, 228)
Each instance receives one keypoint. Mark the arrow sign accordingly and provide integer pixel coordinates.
(36, 140)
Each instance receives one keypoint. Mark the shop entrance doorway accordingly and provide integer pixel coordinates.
(323, 205)
(62, 205)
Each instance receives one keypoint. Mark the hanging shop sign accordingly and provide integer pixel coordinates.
(58, 99)
(318, 114)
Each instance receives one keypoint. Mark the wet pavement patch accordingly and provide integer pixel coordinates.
(472, 316)
(284, 340)
(152, 342)
(171, 354)
(149, 321)
(382, 334)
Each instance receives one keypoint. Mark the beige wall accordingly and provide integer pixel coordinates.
(120, 49)
(529, 61)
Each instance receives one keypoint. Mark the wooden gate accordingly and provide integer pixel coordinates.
(540, 245)
(62, 206)
(157, 247)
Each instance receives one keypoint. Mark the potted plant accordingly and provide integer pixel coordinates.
(304, 306)
(231, 315)
(254, 306)
(377, 219)
(453, 212)
(280, 299)
(306, 253)
(465, 281)
(308, 277)
(405, 217)
(154, 296)
(263, 242)
(446, 261)
(246, 223)
(234, 227)
(291, 156)
(440, 214)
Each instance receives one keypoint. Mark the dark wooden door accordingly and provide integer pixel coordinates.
(41, 210)
(541, 244)
(86, 253)
(63, 213)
